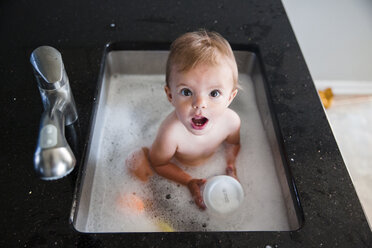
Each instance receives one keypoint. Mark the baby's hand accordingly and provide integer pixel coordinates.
(231, 171)
(194, 186)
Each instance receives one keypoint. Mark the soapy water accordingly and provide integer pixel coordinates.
(120, 202)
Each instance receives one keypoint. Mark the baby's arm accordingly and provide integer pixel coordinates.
(232, 147)
(161, 153)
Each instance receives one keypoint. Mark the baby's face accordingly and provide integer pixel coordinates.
(201, 95)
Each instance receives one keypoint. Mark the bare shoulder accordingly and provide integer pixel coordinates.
(234, 119)
(165, 144)
(233, 136)
(168, 128)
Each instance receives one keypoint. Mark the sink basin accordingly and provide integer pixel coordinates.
(130, 105)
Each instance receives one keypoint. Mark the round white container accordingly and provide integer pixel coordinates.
(223, 194)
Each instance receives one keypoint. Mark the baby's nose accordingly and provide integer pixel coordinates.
(199, 102)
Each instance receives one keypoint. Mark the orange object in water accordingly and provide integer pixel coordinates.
(131, 203)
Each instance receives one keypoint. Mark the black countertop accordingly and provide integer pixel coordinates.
(35, 213)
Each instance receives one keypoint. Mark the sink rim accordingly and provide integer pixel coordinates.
(151, 46)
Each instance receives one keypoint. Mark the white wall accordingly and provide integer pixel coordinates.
(335, 37)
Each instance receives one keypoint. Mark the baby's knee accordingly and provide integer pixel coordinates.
(138, 164)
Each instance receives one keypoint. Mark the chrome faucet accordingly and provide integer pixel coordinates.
(53, 157)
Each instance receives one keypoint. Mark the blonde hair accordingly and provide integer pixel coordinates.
(200, 47)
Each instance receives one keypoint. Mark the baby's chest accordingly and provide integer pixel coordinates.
(195, 146)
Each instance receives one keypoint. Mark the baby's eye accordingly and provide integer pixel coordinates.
(186, 92)
(215, 93)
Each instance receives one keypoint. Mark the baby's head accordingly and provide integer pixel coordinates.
(200, 48)
(202, 79)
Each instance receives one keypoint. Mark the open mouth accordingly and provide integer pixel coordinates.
(199, 122)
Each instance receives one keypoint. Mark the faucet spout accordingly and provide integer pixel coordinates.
(53, 157)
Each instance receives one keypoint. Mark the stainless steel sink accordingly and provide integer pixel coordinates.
(130, 105)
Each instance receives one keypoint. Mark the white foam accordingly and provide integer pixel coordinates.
(135, 107)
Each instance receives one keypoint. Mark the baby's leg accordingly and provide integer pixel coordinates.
(138, 164)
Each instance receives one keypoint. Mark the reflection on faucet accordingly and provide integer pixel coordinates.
(53, 157)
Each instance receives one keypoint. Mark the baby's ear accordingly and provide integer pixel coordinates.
(168, 93)
(233, 95)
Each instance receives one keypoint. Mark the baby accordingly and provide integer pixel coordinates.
(201, 82)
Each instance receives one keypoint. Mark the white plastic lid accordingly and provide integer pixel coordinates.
(223, 194)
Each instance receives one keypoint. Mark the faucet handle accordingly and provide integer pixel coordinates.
(53, 158)
(48, 67)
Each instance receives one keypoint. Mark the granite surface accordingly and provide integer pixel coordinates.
(35, 213)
